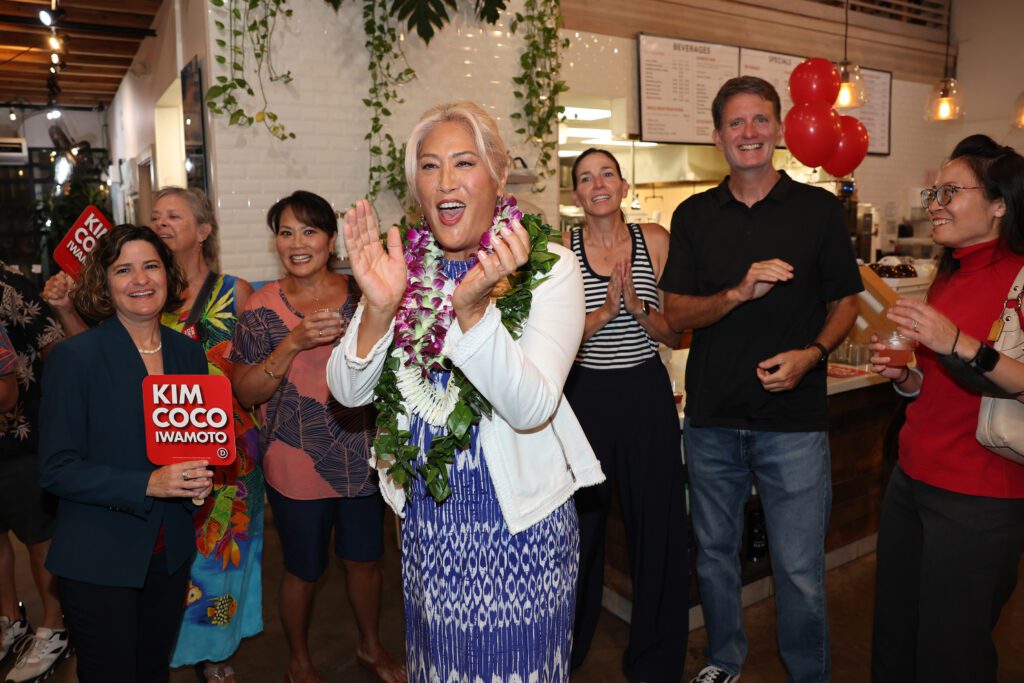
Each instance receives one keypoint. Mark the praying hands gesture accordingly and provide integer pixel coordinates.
(380, 273)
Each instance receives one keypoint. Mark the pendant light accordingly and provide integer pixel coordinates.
(852, 92)
(944, 101)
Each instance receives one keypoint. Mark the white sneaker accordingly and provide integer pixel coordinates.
(41, 657)
(12, 633)
(712, 674)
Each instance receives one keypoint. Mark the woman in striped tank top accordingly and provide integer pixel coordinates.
(621, 394)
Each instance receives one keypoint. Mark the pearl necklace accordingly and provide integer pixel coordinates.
(150, 352)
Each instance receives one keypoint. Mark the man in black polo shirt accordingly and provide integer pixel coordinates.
(762, 270)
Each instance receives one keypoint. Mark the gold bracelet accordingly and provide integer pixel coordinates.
(267, 370)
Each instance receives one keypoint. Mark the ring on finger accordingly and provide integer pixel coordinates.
(184, 475)
(320, 333)
(915, 326)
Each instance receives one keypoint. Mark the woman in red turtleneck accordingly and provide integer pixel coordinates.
(952, 528)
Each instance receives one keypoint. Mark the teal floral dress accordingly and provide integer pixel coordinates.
(224, 602)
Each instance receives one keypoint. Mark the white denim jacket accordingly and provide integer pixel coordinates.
(535, 448)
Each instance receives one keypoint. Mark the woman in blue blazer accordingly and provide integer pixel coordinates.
(124, 540)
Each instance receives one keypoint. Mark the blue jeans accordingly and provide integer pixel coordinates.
(795, 484)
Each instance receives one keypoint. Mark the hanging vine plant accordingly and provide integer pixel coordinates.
(538, 84)
(388, 71)
(425, 17)
(249, 30)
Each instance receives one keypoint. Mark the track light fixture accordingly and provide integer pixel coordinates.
(50, 17)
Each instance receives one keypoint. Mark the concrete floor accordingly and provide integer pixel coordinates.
(333, 637)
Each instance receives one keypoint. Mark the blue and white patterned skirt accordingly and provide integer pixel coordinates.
(482, 605)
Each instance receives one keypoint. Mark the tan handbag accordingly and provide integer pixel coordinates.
(1001, 420)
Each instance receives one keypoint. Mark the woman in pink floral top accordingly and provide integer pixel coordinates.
(315, 451)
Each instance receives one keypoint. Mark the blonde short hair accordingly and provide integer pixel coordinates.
(202, 211)
(480, 124)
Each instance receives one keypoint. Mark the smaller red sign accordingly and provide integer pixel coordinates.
(80, 240)
(188, 417)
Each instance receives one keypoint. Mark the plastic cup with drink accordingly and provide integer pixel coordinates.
(898, 348)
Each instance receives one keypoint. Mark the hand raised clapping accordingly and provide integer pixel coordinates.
(381, 274)
(510, 250)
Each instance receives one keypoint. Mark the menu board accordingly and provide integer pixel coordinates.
(773, 67)
(776, 67)
(678, 81)
(876, 114)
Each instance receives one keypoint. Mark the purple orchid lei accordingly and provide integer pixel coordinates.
(422, 322)
(426, 312)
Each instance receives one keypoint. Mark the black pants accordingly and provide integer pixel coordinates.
(631, 422)
(947, 563)
(125, 634)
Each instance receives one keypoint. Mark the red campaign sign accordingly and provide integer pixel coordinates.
(188, 417)
(80, 240)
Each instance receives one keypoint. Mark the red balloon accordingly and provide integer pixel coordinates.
(852, 148)
(812, 132)
(814, 80)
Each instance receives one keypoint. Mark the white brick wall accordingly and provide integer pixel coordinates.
(323, 107)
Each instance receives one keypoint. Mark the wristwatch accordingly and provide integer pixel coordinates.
(821, 349)
(645, 310)
(985, 359)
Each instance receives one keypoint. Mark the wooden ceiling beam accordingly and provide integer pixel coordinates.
(95, 46)
(39, 99)
(15, 70)
(39, 87)
(150, 7)
(17, 80)
(78, 15)
(39, 57)
(42, 33)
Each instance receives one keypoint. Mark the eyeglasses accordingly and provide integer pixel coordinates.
(943, 194)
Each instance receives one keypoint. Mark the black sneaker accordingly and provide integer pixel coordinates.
(12, 634)
(712, 674)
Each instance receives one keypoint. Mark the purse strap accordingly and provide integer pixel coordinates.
(199, 305)
(1015, 300)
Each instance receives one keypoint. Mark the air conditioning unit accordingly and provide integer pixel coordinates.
(13, 151)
